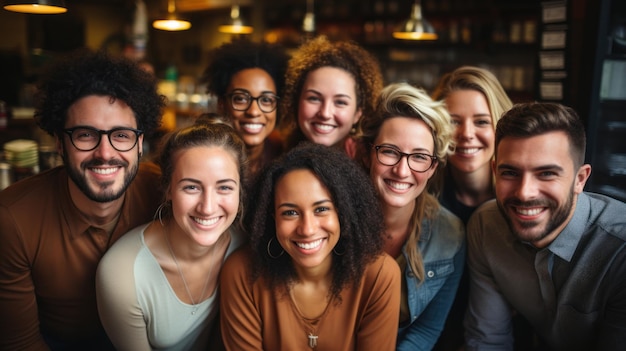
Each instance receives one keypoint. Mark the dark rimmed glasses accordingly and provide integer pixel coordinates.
(88, 138)
(390, 156)
(241, 101)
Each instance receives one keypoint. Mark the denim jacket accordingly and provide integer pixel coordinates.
(442, 244)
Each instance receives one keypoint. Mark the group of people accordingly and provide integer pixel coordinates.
(315, 209)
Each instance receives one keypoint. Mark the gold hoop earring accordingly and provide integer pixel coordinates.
(339, 253)
(159, 212)
(269, 250)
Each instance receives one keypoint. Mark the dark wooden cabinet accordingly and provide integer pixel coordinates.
(606, 110)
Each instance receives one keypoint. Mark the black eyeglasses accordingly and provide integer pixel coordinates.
(417, 162)
(88, 138)
(241, 101)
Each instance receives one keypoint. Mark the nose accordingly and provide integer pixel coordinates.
(308, 225)
(253, 110)
(401, 168)
(326, 110)
(105, 150)
(207, 203)
(465, 131)
(527, 188)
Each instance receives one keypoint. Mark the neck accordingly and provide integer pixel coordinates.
(397, 222)
(255, 156)
(473, 188)
(97, 213)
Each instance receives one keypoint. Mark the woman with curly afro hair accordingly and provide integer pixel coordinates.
(314, 274)
(331, 86)
(248, 80)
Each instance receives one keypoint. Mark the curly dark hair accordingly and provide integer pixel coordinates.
(321, 52)
(228, 59)
(358, 209)
(85, 73)
(210, 132)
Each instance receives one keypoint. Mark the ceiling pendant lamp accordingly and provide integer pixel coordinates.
(308, 24)
(171, 22)
(46, 7)
(236, 25)
(416, 27)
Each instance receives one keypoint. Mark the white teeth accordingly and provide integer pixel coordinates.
(310, 246)
(104, 170)
(467, 151)
(209, 221)
(398, 186)
(253, 126)
(528, 211)
(324, 127)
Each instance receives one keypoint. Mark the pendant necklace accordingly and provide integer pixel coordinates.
(312, 324)
(180, 272)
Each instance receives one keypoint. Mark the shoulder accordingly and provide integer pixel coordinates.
(608, 214)
(32, 190)
(448, 225)
(125, 250)
(237, 262)
(384, 268)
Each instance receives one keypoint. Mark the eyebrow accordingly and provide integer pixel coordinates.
(316, 203)
(196, 181)
(347, 96)
(416, 150)
(477, 115)
(549, 167)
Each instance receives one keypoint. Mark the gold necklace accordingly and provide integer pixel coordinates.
(206, 283)
(312, 324)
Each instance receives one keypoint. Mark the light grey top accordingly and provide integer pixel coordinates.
(138, 307)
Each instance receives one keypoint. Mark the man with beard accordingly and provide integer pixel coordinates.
(543, 248)
(55, 226)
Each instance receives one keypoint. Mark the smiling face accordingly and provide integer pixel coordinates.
(307, 223)
(328, 106)
(537, 185)
(252, 125)
(204, 191)
(102, 174)
(474, 132)
(398, 186)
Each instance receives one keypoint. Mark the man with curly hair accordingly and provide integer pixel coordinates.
(248, 79)
(330, 86)
(56, 226)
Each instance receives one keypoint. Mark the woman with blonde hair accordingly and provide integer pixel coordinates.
(407, 138)
(475, 100)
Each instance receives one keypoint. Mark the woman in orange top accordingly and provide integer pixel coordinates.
(314, 275)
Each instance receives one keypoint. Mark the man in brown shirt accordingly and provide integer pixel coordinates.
(55, 226)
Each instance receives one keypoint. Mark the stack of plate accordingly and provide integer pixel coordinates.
(22, 153)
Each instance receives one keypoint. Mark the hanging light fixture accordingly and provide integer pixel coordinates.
(171, 22)
(308, 24)
(416, 27)
(48, 7)
(236, 25)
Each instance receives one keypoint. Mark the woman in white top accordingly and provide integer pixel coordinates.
(157, 286)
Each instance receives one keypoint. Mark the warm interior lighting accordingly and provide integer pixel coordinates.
(172, 22)
(416, 27)
(236, 25)
(47, 7)
(308, 24)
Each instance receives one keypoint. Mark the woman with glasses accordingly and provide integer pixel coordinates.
(157, 286)
(331, 86)
(248, 78)
(405, 140)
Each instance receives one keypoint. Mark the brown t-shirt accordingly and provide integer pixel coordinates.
(253, 317)
(49, 254)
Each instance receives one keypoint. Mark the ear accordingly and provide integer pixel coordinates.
(220, 105)
(581, 177)
(140, 145)
(357, 116)
(59, 144)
